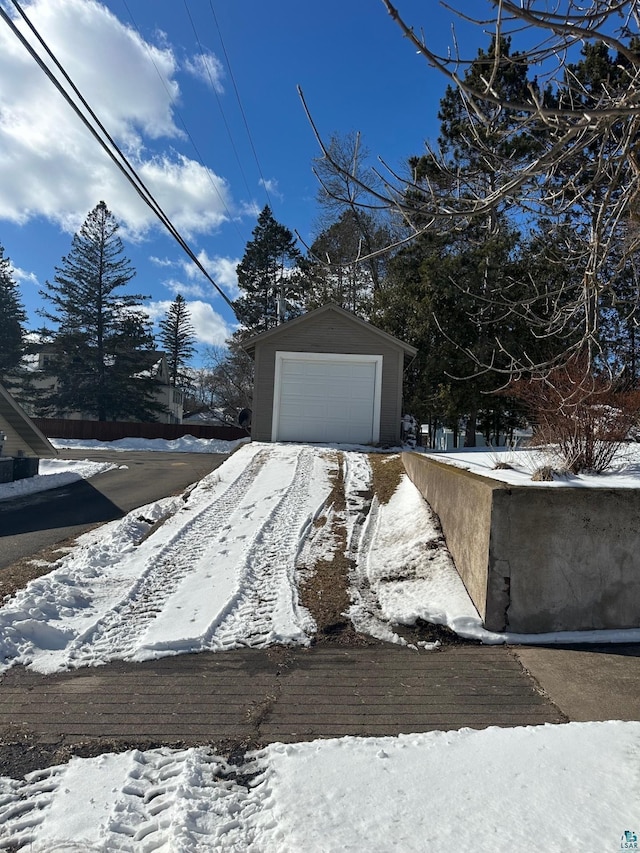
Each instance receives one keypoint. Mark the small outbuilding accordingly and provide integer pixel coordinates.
(328, 376)
(21, 442)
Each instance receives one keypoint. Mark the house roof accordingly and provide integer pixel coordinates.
(250, 344)
(18, 420)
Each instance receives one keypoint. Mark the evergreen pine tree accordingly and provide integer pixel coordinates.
(12, 319)
(266, 275)
(177, 337)
(466, 290)
(102, 351)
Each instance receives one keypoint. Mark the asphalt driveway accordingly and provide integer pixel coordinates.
(33, 522)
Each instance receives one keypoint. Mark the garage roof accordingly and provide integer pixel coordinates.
(250, 344)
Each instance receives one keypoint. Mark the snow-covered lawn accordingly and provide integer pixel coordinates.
(220, 568)
(546, 789)
(624, 472)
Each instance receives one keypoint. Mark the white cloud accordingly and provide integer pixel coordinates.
(20, 275)
(222, 270)
(271, 186)
(51, 165)
(176, 286)
(208, 68)
(161, 262)
(251, 209)
(209, 327)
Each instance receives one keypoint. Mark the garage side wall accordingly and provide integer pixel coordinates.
(327, 334)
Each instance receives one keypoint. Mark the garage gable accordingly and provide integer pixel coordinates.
(327, 397)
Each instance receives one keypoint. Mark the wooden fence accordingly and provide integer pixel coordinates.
(114, 430)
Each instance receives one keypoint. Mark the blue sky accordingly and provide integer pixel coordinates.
(162, 76)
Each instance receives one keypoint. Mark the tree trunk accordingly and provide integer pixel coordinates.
(470, 429)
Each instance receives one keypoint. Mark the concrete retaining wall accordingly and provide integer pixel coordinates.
(537, 559)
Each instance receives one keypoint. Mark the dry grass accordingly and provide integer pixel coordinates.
(325, 590)
(386, 472)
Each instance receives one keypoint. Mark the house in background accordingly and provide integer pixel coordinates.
(328, 376)
(23, 443)
(167, 395)
(152, 363)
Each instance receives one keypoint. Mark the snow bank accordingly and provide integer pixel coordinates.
(54, 473)
(186, 444)
(544, 788)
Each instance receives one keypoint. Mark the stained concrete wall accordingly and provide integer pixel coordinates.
(538, 559)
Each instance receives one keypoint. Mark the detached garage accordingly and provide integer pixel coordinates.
(328, 376)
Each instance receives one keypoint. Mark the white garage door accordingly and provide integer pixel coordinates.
(327, 398)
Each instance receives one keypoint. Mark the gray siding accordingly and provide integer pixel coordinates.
(327, 333)
(22, 435)
(13, 444)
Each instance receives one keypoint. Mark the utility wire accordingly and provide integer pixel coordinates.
(183, 123)
(215, 92)
(123, 164)
(242, 112)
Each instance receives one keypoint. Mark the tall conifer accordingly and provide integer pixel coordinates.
(266, 276)
(12, 320)
(177, 337)
(102, 350)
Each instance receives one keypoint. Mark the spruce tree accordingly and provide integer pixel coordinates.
(267, 277)
(177, 337)
(102, 347)
(12, 319)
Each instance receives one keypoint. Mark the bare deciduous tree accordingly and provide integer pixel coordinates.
(583, 173)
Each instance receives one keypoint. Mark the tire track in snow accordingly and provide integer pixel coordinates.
(362, 522)
(266, 608)
(122, 626)
(158, 800)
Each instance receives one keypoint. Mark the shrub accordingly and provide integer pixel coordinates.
(580, 414)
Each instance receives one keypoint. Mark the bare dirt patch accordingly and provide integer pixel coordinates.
(386, 473)
(324, 590)
(427, 632)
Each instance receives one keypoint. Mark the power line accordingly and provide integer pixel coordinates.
(123, 164)
(183, 123)
(242, 112)
(215, 92)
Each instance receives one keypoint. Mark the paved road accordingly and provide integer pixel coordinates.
(33, 522)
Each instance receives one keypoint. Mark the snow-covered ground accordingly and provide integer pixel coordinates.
(186, 444)
(53, 473)
(133, 589)
(545, 789)
(624, 472)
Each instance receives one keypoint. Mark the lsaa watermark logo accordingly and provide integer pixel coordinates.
(629, 840)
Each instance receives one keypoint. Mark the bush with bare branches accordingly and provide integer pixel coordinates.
(582, 109)
(580, 415)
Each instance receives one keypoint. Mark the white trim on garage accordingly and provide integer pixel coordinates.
(329, 359)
